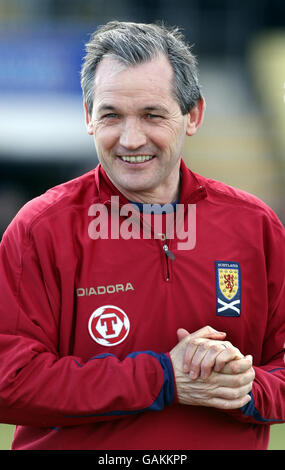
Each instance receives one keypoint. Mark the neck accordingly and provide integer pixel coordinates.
(156, 196)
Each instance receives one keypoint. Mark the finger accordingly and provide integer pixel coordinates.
(201, 355)
(198, 356)
(189, 354)
(215, 359)
(233, 393)
(238, 365)
(204, 358)
(209, 355)
(182, 333)
(205, 332)
(208, 332)
(228, 354)
(232, 380)
(224, 404)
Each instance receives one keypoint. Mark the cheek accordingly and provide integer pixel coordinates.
(160, 136)
(169, 133)
(166, 140)
(105, 139)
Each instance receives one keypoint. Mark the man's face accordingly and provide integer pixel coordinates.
(138, 128)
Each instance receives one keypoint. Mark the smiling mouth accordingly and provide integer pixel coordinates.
(136, 158)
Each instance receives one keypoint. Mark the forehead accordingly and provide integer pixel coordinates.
(147, 81)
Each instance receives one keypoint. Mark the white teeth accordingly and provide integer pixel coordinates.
(137, 159)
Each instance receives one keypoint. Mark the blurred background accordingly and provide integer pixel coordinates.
(240, 47)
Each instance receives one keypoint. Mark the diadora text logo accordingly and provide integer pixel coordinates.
(109, 325)
(99, 290)
(153, 221)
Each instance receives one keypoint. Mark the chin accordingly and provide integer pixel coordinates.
(137, 186)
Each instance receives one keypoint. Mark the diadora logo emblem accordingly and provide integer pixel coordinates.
(109, 325)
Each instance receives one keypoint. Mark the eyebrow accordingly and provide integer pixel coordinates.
(156, 107)
(106, 107)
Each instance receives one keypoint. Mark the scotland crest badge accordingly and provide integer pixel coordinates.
(228, 288)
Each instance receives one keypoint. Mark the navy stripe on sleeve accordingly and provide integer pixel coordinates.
(165, 397)
(250, 411)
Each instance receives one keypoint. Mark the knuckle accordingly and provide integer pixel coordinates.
(188, 340)
(208, 328)
(204, 345)
(198, 343)
(235, 367)
(205, 369)
(195, 341)
(189, 346)
(216, 347)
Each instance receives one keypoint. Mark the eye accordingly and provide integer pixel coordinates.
(110, 116)
(153, 116)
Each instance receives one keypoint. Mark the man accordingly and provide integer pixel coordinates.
(119, 335)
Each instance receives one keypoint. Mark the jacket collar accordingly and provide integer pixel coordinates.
(192, 190)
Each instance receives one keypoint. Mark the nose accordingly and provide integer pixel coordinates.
(132, 135)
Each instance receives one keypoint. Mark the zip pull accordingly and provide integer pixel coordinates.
(168, 252)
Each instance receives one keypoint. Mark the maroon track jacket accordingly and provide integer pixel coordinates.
(87, 324)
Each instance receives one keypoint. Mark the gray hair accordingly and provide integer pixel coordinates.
(135, 43)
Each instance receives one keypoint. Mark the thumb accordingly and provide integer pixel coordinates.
(205, 332)
(181, 334)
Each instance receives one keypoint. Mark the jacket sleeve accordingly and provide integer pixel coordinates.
(40, 388)
(267, 405)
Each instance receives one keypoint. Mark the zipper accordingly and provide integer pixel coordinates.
(168, 256)
(168, 252)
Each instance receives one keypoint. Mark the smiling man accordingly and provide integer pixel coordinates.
(105, 340)
(138, 128)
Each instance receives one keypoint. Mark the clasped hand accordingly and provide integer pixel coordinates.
(210, 371)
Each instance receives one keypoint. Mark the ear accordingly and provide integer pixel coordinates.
(88, 121)
(195, 117)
